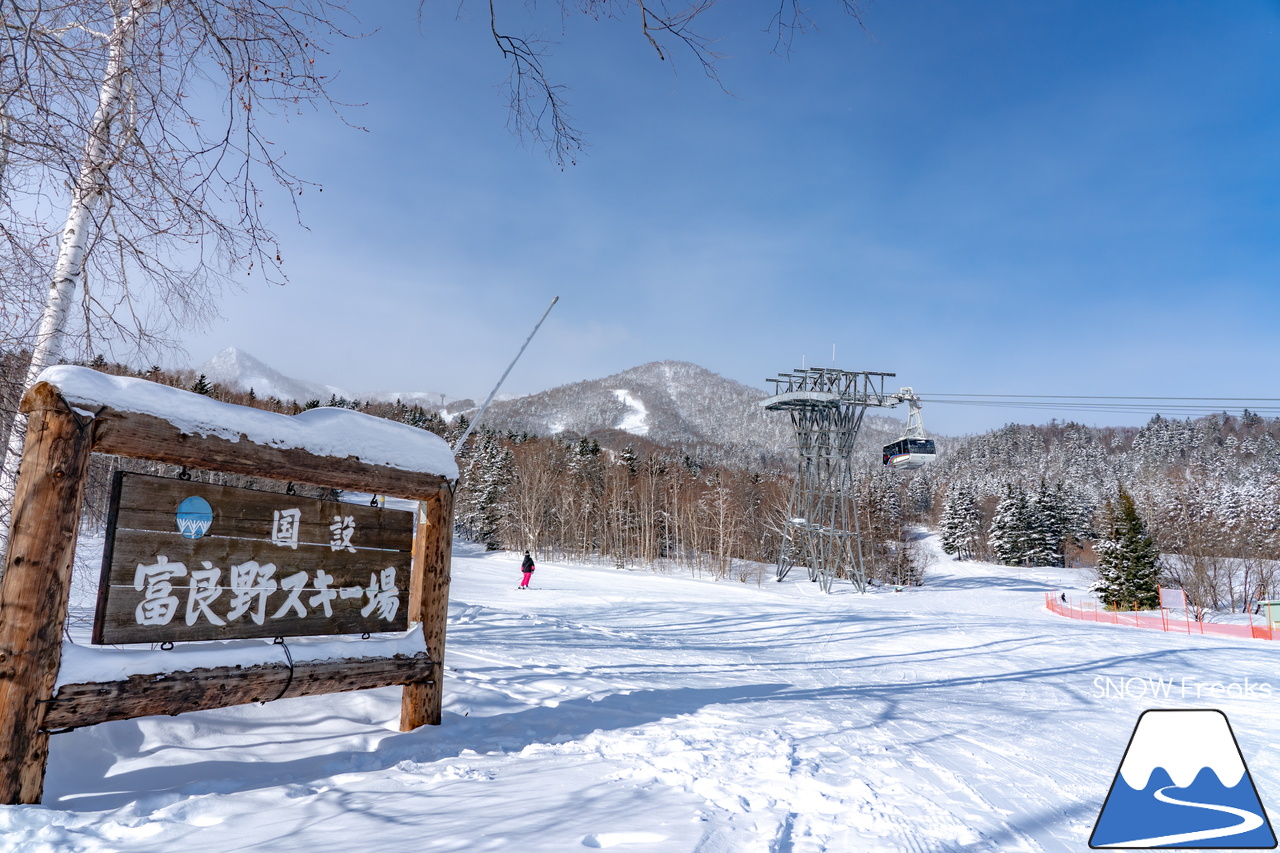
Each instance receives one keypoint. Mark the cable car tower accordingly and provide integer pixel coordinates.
(822, 529)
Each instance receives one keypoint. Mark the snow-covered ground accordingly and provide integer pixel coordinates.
(648, 712)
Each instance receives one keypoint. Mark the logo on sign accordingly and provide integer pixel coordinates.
(1183, 783)
(195, 516)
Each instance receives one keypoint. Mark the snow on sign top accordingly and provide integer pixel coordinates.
(322, 432)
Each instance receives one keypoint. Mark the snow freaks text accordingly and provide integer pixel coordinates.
(1182, 687)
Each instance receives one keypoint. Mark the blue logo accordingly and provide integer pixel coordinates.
(194, 517)
(1183, 783)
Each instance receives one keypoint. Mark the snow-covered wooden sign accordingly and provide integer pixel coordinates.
(243, 577)
(194, 561)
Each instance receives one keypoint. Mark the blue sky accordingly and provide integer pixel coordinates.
(1022, 198)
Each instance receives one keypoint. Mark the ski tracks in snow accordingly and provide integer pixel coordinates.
(658, 714)
(803, 789)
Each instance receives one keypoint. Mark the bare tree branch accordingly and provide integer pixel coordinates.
(792, 20)
(537, 107)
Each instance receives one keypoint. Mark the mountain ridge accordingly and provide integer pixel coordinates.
(235, 368)
(675, 404)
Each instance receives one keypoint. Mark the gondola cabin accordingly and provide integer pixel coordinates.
(908, 453)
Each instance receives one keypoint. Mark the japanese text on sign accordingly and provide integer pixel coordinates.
(196, 561)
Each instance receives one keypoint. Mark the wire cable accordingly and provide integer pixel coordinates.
(1096, 397)
(1114, 404)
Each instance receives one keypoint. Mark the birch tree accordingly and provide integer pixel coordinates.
(142, 122)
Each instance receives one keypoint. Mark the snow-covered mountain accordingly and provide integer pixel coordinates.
(237, 369)
(672, 403)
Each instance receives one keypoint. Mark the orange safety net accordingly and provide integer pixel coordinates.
(1158, 620)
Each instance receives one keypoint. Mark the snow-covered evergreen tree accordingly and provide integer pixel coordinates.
(961, 527)
(1011, 528)
(629, 458)
(1128, 562)
(482, 502)
(919, 495)
(1047, 520)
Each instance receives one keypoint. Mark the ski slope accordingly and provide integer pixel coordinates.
(635, 711)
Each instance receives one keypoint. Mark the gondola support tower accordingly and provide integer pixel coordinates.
(822, 530)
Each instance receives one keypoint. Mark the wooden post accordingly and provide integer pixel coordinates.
(429, 604)
(36, 585)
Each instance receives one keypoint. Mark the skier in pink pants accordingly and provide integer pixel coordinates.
(526, 566)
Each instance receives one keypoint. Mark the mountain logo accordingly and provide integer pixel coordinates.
(195, 516)
(1183, 783)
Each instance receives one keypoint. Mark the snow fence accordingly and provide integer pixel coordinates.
(1158, 620)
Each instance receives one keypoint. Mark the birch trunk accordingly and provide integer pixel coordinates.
(88, 191)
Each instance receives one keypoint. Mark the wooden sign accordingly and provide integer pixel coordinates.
(194, 561)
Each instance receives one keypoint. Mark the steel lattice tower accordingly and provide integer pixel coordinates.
(822, 530)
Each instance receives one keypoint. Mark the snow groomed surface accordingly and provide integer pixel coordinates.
(643, 712)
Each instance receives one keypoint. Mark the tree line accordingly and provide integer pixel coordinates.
(1205, 490)
(572, 499)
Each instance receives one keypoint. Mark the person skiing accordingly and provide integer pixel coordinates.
(526, 566)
